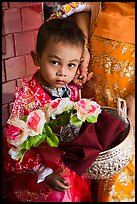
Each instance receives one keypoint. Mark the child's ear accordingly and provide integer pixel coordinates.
(35, 57)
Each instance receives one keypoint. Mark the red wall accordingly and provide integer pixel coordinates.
(20, 23)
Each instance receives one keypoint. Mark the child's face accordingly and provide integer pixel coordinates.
(59, 62)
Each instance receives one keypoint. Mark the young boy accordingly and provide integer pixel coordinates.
(60, 44)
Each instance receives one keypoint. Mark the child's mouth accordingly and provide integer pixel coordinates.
(60, 82)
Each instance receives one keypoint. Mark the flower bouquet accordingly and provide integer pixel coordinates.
(40, 125)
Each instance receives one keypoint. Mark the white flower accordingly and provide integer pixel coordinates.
(15, 154)
(59, 106)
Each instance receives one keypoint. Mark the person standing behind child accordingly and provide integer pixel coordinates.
(110, 32)
(109, 28)
(59, 49)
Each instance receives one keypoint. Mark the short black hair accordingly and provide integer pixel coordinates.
(59, 30)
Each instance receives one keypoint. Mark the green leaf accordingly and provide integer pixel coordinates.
(31, 141)
(93, 119)
(37, 140)
(52, 124)
(24, 118)
(53, 141)
(23, 153)
(74, 120)
(25, 145)
(22, 146)
(28, 144)
(48, 130)
(64, 118)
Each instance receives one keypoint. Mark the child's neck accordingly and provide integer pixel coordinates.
(40, 79)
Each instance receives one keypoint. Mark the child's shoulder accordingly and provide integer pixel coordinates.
(30, 95)
(26, 87)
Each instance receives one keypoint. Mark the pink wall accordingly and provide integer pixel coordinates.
(20, 23)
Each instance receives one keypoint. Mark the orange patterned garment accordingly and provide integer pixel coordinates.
(113, 67)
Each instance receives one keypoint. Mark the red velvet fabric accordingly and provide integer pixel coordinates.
(93, 139)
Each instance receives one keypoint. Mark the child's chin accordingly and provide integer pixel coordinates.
(59, 85)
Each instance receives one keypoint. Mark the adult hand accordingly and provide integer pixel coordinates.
(82, 74)
(57, 183)
(130, 100)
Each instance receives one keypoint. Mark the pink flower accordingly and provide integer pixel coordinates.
(17, 131)
(12, 132)
(35, 122)
(86, 109)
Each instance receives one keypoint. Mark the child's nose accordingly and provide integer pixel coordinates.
(61, 72)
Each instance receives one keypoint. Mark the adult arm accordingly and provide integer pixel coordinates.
(85, 20)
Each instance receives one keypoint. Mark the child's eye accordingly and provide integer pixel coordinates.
(55, 62)
(71, 65)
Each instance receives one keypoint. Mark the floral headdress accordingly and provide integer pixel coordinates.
(68, 9)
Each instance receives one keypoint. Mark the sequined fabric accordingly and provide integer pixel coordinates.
(113, 67)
